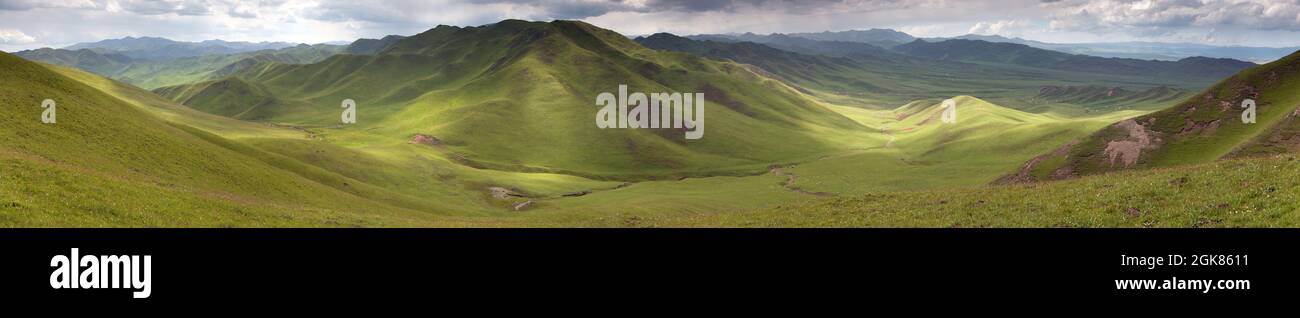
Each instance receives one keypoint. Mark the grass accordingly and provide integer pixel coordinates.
(510, 106)
(1207, 126)
(1265, 192)
(108, 163)
(519, 96)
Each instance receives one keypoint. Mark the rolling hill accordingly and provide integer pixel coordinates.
(519, 96)
(109, 162)
(1204, 128)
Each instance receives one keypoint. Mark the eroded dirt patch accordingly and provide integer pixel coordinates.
(422, 139)
(1126, 151)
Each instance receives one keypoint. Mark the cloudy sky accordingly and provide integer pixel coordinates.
(56, 23)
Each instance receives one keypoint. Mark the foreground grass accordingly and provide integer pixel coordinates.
(1237, 193)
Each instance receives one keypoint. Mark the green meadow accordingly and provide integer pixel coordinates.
(493, 126)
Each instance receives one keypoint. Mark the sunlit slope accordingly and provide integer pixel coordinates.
(108, 163)
(1259, 192)
(1203, 128)
(397, 172)
(520, 96)
(917, 150)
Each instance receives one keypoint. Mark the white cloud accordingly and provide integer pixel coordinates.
(15, 37)
(1000, 27)
(1163, 15)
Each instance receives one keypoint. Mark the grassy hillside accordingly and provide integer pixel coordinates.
(151, 173)
(1235, 193)
(519, 96)
(107, 163)
(418, 175)
(493, 126)
(919, 151)
(1205, 127)
(229, 97)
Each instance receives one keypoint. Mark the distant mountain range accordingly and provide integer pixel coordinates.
(880, 37)
(886, 38)
(1146, 50)
(923, 70)
(159, 48)
(156, 62)
(800, 44)
(152, 73)
(1024, 55)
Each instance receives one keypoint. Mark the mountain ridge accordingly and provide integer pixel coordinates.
(525, 78)
(156, 48)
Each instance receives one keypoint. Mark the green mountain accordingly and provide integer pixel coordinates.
(1146, 50)
(885, 38)
(371, 46)
(1205, 127)
(885, 80)
(1193, 68)
(152, 48)
(520, 96)
(843, 43)
(495, 126)
(230, 97)
(803, 45)
(99, 63)
(157, 73)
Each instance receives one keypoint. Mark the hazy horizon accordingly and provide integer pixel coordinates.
(28, 24)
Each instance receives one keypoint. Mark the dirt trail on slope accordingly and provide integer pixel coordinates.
(892, 137)
(789, 183)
